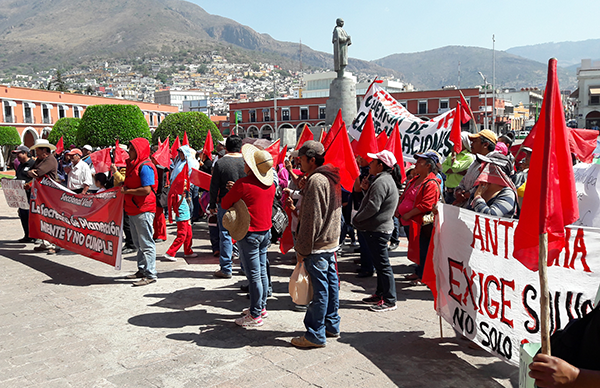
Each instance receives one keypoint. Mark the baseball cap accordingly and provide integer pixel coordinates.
(429, 155)
(21, 148)
(310, 148)
(385, 156)
(88, 147)
(75, 151)
(491, 136)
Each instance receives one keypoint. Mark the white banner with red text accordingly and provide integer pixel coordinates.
(588, 194)
(493, 299)
(417, 135)
(14, 193)
(88, 224)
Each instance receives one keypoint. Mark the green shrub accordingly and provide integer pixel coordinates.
(196, 124)
(9, 136)
(67, 129)
(102, 125)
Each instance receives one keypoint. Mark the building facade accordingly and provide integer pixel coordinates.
(177, 97)
(587, 95)
(34, 111)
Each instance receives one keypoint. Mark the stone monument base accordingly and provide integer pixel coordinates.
(342, 95)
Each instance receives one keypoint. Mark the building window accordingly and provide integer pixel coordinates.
(77, 111)
(151, 118)
(28, 112)
(403, 103)
(303, 113)
(62, 111)
(46, 118)
(595, 100)
(252, 116)
(285, 114)
(158, 116)
(443, 104)
(322, 113)
(266, 114)
(8, 111)
(422, 107)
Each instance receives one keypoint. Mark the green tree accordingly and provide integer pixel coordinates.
(195, 124)
(9, 137)
(101, 125)
(67, 129)
(202, 69)
(58, 83)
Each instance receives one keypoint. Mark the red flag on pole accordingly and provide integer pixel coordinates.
(333, 131)
(582, 142)
(550, 200)
(382, 140)
(200, 179)
(162, 154)
(394, 145)
(120, 155)
(340, 155)
(185, 139)
(175, 147)
(60, 147)
(273, 149)
(281, 156)
(455, 130)
(287, 239)
(367, 141)
(466, 112)
(208, 145)
(304, 136)
(178, 187)
(101, 160)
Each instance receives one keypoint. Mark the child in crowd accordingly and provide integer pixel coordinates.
(184, 231)
(100, 180)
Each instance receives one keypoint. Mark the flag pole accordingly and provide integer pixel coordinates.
(544, 299)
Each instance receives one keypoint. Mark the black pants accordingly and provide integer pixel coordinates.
(127, 231)
(386, 285)
(24, 216)
(424, 239)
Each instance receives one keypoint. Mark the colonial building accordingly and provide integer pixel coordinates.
(34, 111)
(587, 95)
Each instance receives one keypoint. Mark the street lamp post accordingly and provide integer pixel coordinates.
(485, 117)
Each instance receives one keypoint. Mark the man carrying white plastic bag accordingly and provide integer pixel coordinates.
(317, 239)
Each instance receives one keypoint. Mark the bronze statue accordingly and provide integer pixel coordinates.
(341, 41)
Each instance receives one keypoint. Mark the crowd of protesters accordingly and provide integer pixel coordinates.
(246, 195)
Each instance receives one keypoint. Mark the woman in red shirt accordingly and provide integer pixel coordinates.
(257, 191)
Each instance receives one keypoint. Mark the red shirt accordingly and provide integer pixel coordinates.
(258, 198)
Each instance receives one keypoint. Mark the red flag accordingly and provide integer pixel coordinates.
(466, 112)
(178, 187)
(120, 155)
(367, 141)
(162, 154)
(455, 130)
(304, 136)
(101, 160)
(550, 200)
(354, 144)
(281, 156)
(185, 139)
(60, 147)
(200, 179)
(175, 147)
(287, 239)
(394, 145)
(340, 155)
(582, 142)
(208, 145)
(382, 140)
(273, 149)
(333, 131)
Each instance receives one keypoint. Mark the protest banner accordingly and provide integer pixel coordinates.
(493, 299)
(417, 135)
(15, 193)
(588, 196)
(90, 225)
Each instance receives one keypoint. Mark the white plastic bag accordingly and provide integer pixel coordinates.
(300, 287)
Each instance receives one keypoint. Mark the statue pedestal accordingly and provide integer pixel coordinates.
(342, 95)
(288, 137)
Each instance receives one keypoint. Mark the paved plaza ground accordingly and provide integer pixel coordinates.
(69, 321)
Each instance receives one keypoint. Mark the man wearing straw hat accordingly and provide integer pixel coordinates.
(317, 239)
(250, 224)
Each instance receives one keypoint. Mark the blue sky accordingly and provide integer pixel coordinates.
(381, 28)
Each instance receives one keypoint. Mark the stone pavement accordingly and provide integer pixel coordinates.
(69, 321)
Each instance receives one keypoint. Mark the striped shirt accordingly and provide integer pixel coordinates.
(502, 205)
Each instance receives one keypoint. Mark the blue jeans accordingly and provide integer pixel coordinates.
(394, 239)
(322, 314)
(366, 258)
(225, 243)
(195, 193)
(386, 284)
(142, 230)
(253, 254)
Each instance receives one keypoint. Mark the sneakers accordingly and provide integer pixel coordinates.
(26, 240)
(168, 257)
(373, 299)
(191, 255)
(137, 275)
(248, 321)
(221, 274)
(128, 250)
(392, 246)
(144, 282)
(302, 342)
(263, 313)
(40, 248)
(331, 335)
(382, 306)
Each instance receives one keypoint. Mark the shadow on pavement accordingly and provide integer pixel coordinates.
(410, 360)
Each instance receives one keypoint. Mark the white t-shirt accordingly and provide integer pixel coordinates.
(80, 176)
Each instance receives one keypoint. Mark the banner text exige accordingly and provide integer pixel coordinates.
(90, 225)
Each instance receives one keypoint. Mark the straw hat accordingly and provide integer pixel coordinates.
(43, 143)
(237, 220)
(260, 162)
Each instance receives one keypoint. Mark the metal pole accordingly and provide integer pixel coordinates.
(275, 106)
(494, 84)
